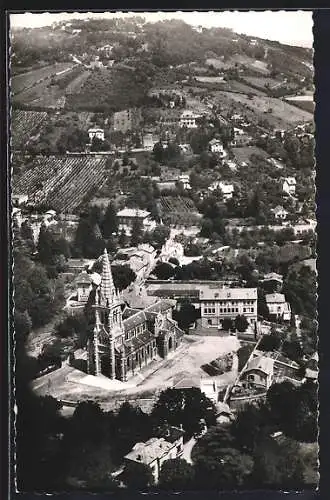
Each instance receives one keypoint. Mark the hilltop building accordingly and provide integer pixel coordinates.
(98, 133)
(188, 119)
(278, 307)
(125, 340)
(289, 185)
(127, 216)
(216, 146)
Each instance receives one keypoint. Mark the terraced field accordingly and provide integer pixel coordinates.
(27, 80)
(25, 124)
(61, 182)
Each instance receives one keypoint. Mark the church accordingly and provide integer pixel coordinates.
(125, 340)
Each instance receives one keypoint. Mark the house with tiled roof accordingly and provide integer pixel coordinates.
(259, 372)
(289, 185)
(157, 450)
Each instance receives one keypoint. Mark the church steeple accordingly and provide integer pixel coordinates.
(107, 288)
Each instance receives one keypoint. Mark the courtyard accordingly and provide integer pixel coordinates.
(69, 384)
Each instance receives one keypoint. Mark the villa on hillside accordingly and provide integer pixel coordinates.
(278, 307)
(127, 217)
(289, 185)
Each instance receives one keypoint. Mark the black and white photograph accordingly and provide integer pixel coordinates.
(163, 217)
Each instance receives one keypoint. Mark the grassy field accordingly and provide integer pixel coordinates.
(281, 111)
(109, 88)
(31, 78)
(41, 95)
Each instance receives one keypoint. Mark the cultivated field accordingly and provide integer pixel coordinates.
(177, 204)
(281, 111)
(108, 87)
(25, 124)
(258, 66)
(42, 95)
(61, 182)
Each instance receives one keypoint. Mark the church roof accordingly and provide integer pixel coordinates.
(135, 343)
(136, 319)
(107, 288)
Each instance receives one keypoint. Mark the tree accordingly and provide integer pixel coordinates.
(23, 325)
(278, 465)
(137, 232)
(293, 350)
(229, 469)
(159, 235)
(176, 475)
(137, 476)
(269, 343)
(164, 271)
(188, 407)
(227, 324)
(243, 354)
(45, 246)
(186, 315)
(109, 224)
(158, 152)
(87, 423)
(241, 323)
(251, 425)
(123, 276)
(88, 238)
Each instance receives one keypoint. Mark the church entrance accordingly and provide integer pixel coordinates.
(170, 344)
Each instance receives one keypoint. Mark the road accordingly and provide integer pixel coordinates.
(47, 381)
(187, 449)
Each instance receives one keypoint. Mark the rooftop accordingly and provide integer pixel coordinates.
(151, 450)
(133, 212)
(290, 180)
(275, 298)
(262, 363)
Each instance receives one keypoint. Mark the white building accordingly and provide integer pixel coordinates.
(98, 133)
(280, 213)
(148, 142)
(289, 185)
(17, 216)
(84, 286)
(259, 372)
(172, 249)
(218, 304)
(184, 179)
(19, 199)
(188, 119)
(278, 307)
(156, 451)
(127, 217)
(226, 189)
(216, 146)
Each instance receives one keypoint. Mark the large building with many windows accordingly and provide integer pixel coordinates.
(217, 300)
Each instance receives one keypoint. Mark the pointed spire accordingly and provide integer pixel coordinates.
(107, 288)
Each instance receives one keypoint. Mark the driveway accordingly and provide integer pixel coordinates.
(187, 448)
